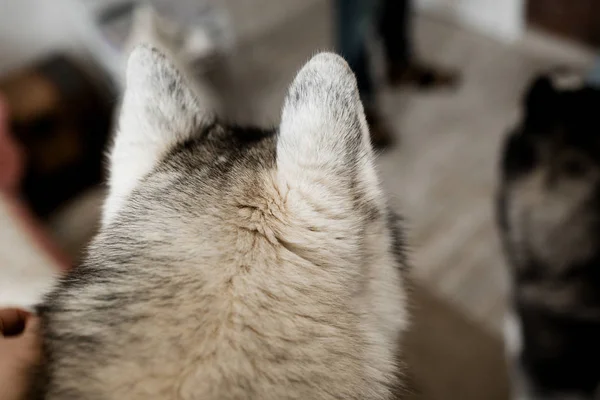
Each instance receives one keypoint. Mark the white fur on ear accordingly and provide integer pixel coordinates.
(160, 109)
(323, 127)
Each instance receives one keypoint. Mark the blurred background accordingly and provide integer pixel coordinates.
(441, 115)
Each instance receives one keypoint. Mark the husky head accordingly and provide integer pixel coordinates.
(233, 263)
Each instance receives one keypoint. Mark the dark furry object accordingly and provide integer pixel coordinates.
(549, 219)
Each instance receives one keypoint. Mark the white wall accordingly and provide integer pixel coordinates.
(30, 29)
(503, 19)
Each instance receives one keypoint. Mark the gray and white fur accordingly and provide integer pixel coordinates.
(233, 263)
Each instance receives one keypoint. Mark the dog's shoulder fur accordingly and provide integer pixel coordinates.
(233, 263)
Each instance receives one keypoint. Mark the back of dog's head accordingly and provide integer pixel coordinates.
(233, 263)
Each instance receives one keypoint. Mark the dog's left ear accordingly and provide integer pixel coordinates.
(160, 109)
(324, 141)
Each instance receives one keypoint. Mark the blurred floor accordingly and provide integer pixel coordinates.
(442, 175)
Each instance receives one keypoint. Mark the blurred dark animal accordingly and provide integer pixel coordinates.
(549, 217)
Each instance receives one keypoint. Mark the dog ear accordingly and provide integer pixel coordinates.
(323, 136)
(541, 103)
(160, 109)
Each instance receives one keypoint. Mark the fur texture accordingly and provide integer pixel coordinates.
(233, 263)
(549, 214)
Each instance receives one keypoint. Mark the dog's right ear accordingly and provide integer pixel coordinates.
(324, 142)
(160, 109)
(541, 102)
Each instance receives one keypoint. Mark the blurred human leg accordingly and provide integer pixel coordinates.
(354, 22)
(395, 28)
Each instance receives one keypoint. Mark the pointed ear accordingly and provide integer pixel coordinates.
(159, 110)
(323, 127)
(541, 103)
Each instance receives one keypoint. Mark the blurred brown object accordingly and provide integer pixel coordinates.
(60, 113)
(450, 356)
(574, 19)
